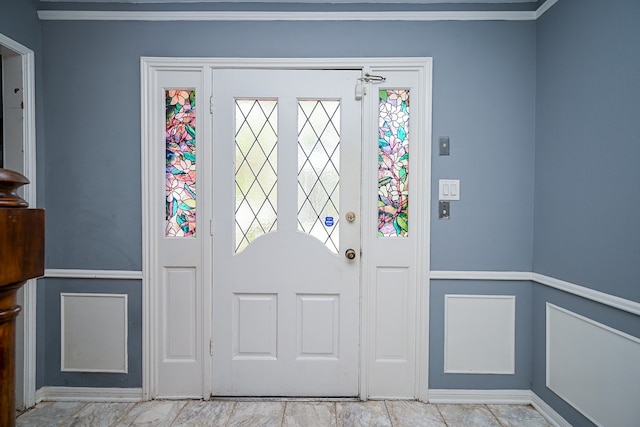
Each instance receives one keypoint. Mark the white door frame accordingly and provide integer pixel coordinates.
(22, 158)
(421, 179)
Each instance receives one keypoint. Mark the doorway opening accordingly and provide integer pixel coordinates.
(17, 152)
(222, 227)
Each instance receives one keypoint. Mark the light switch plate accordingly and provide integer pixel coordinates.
(449, 189)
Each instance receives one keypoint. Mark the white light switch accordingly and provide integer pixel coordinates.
(449, 189)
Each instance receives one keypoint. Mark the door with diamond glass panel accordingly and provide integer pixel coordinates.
(286, 213)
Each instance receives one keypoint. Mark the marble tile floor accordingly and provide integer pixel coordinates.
(286, 413)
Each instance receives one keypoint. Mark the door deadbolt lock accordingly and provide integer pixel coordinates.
(350, 254)
(350, 216)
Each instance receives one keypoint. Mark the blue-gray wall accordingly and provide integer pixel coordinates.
(587, 202)
(550, 104)
(483, 98)
(484, 83)
(588, 144)
(19, 22)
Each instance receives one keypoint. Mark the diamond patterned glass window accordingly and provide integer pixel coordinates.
(318, 170)
(256, 169)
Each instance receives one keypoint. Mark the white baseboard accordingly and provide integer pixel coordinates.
(547, 411)
(499, 397)
(521, 397)
(89, 394)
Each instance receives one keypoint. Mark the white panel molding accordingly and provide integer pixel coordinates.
(124, 357)
(572, 288)
(587, 370)
(51, 273)
(252, 16)
(88, 394)
(462, 338)
(498, 397)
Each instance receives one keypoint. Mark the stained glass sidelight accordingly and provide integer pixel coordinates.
(256, 169)
(180, 141)
(393, 163)
(318, 170)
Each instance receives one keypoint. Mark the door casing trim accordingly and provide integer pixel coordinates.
(423, 66)
(27, 58)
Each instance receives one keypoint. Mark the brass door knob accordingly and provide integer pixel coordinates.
(350, 254)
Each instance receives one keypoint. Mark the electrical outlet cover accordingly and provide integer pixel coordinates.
(443, 141)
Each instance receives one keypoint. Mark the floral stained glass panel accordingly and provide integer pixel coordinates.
(393, 163)
(180, 139)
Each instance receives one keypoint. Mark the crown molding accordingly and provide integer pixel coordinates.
(253, 16)
(546, 6)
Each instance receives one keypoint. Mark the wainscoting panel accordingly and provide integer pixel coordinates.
(593, 367)
(93, 332)
(480, 334)
(180, 321)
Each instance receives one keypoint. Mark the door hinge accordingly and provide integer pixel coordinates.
(211, 105)
(210, 347)
(211, 227)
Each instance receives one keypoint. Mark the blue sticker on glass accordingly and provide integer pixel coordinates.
(328, 221)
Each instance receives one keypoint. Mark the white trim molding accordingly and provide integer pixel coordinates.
(92, 274)
(546, 6)
(480, 397)
(88, 394)
(572, 288)
(252, 16)
(498, 397)
(548, 412)
(28, 319)
(588, 293)
(480, 275)
(498, 15)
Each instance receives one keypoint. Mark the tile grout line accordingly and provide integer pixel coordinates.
(233, 410)
(70, 417)
(284, 411)
(180, 412)
(444, 420)
(494, 415)
(386, 407)
(115, 422)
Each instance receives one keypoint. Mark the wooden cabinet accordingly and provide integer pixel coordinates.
(21, 258)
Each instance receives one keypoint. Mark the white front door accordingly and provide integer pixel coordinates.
(286, 208)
